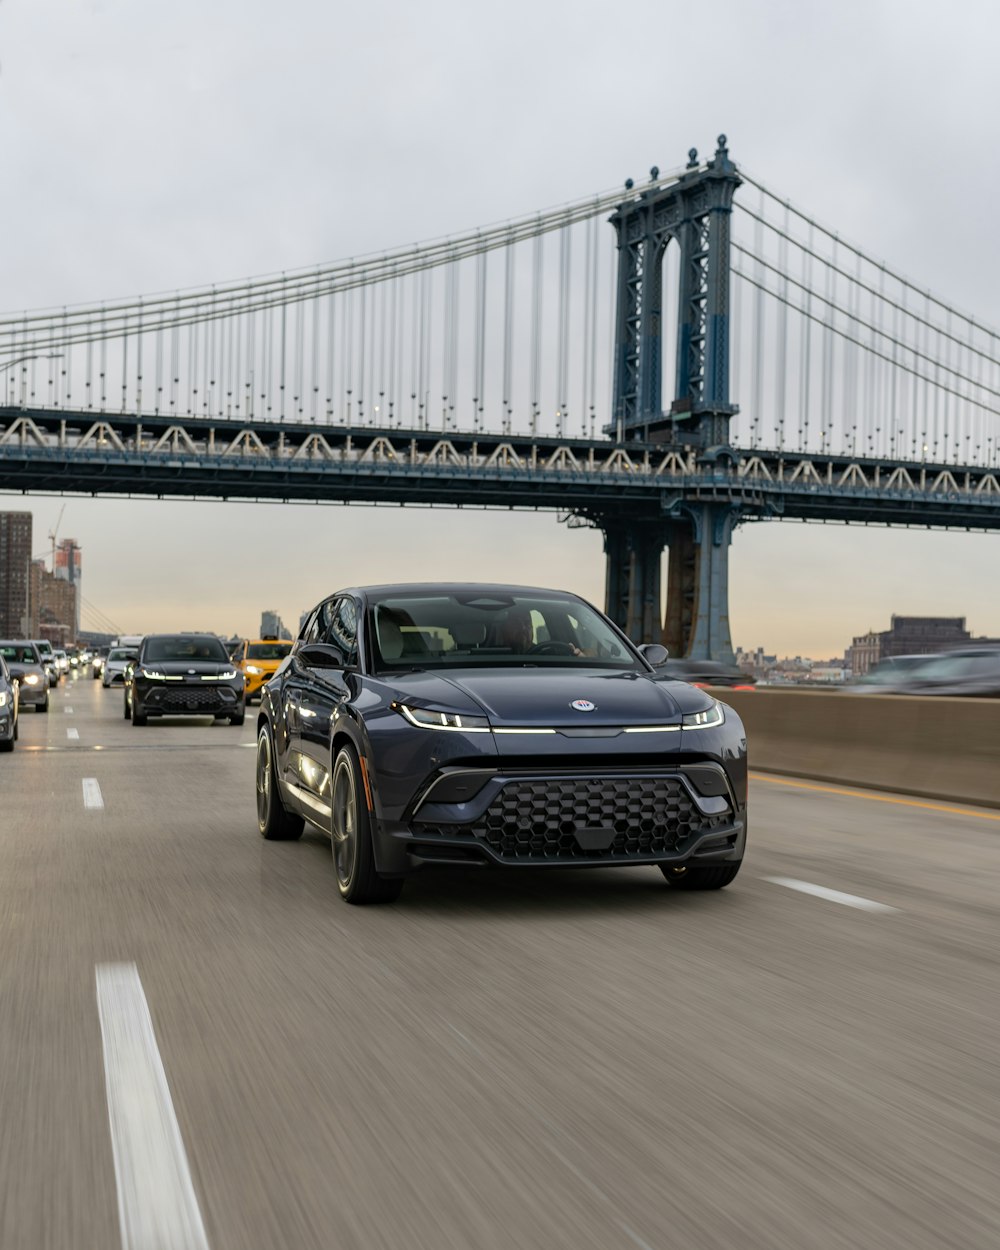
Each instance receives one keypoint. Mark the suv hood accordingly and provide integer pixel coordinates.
(544, 697)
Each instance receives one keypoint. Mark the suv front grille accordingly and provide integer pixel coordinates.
(562, 818)
(190, 699)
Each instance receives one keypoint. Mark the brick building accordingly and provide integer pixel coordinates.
(53, 606)
(907, 635)
(15, 563)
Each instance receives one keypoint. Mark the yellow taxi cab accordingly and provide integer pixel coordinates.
(257, 659)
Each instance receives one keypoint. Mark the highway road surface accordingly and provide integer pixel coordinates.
(202, 1046)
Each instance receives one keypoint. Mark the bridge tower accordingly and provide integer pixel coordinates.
(693, 212)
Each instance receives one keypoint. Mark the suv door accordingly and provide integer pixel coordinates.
(316, 687)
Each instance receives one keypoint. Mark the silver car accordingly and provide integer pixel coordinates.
(25, 664)
(119, 658)
(8, 707)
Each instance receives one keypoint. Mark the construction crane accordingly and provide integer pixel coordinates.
(53, 534)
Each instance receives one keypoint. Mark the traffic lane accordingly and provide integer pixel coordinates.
(567, 1058)
(72, 878)
(932, 860)
(550, 1063)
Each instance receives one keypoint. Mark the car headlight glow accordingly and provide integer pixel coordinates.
(708, 719)
(252, 668)
(3, 698)
(31, 679)
(430, 718)
(228, 675)
(152, 674)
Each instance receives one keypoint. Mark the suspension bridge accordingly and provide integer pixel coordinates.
(548, 362)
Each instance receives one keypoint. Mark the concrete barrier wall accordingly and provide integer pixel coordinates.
(933, 747)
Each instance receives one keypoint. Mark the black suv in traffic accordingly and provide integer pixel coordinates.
(183, 675)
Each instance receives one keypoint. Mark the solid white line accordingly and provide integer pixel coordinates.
(831, 896)
(68, 711)
(72, 733)
(92, 796)
(157, 1206)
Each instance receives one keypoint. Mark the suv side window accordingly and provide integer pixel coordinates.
(311, 629)
(342, 629)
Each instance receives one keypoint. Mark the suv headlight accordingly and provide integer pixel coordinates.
(31, 679)
(252, 668)
(152, 674)
(430, 718)
(709, 719)
(3, 698)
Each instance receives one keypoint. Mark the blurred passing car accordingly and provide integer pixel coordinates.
(704, 673)
(258, 660)
(113, 670)
(493, 725)
(25, 665)
(8, 707)
(887, 675)
(970, 671)
(183, 675)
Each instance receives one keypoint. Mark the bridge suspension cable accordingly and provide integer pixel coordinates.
(879, 366)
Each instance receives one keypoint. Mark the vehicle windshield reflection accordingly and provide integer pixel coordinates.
(489, 631)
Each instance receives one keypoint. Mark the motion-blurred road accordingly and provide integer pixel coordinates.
(560, 1059)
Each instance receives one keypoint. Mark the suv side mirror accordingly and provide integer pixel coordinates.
(655, 654)
(321, 655)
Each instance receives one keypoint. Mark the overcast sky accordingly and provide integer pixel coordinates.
(149, 144)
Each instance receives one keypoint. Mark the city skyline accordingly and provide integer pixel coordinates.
(127, 134)
(226, 600)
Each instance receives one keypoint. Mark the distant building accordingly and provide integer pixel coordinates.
(68, 568)
(907, 635)
(756, 663)
(15, 565)
(864, 653)
(271, 623)
(54, 606)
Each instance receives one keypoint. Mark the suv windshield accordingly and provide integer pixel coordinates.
(491, 630)
(268, 650)
(159, 649)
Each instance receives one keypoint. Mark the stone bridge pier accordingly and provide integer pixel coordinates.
(696, 538)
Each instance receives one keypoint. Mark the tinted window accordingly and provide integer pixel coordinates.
(489, 630)
(342, 629)
(311, 630)
(164, 649)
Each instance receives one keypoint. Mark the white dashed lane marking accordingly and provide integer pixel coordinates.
(92, 796)
(72, 733)
(831, 896)
(157, 1205)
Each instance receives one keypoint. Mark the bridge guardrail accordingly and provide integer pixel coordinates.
(935, 748)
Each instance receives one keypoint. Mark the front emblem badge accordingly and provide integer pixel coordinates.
(583, 705)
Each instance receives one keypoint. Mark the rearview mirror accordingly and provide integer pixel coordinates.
(321, 655)
(653, 653)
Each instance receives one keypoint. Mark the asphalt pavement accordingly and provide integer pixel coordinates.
(198, 1038)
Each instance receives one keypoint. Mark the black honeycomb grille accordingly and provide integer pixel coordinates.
(541, 819)
(190, 699)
